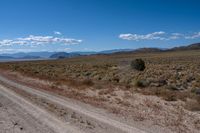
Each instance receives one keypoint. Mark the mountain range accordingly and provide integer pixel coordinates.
(55, 55)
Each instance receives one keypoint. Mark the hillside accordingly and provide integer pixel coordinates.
(30, 57)
(6, 57)
(44, 54)
(64, 55)
(194, 46)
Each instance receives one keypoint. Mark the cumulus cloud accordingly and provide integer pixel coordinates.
(194, 36)
(174, 36)
(6, 42)
(161, 35)
(137, 37)
(39, 40)
(57, 33)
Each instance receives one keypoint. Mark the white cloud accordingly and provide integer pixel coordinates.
(39, 40)
(159, 36)
(6, 42)
(177, 34)
(137, 37)
(194, 36)
(57, 33)
(174, 36)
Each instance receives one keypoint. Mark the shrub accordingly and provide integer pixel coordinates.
(138, 64)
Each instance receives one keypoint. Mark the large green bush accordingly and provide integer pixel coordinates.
(138, 64)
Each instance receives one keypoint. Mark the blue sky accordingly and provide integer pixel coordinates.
(94, 25)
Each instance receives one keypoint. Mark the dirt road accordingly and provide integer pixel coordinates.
(14, 119)
(98, 120)
(25, 108)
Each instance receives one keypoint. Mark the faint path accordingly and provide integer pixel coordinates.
(90, 114)
(41, 115)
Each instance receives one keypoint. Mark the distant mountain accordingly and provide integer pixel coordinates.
(194, 46)
(6, 57)
(114, 51)
(25, 57)
(102, 52)
(61, 55)
(30, 57)
(44, 54)
(148, 50)
(75, 54)
(84, 53)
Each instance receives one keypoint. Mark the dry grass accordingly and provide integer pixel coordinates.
(170, 75)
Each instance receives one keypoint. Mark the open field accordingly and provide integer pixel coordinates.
(165, 96)
(169, 72)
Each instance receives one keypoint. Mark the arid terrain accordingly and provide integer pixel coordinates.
(100, 66)
(103, 93)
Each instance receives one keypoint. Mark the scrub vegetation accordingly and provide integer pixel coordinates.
(170, 75)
